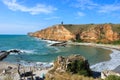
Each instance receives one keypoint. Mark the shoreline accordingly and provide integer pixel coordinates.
(96, 67)
(117, 47)
(104, 65)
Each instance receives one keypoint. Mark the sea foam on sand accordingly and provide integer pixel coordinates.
(108, 65)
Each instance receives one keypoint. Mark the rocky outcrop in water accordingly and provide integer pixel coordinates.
(4, 54)
(92, 33)
(74, 64)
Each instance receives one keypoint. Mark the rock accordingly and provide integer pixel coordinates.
(103, 33)
(59, 44)
(74, 64)
(106, 73)
(56, 33)
(3, 54)
(15, 51)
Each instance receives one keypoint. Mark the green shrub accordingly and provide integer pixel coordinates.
(78, 40)
(78, 67)
(116, 42)
(113, 77)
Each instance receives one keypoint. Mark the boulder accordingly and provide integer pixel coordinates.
(74, 64)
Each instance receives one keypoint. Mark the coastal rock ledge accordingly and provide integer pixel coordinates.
(66, 68)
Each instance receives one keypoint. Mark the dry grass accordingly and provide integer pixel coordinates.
(76, 28)
(8, 77)
(67, 76)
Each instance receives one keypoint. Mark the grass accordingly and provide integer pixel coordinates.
(76, 28)
(69, 76)
(113, 77)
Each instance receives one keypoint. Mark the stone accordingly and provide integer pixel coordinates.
(115, 72)
(61, 65)
(56, 33)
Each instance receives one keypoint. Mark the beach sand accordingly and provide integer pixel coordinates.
(110, 46)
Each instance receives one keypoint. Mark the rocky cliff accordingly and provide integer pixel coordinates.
(104, 33)
(72, 65)
(99, 33)
(57, 33)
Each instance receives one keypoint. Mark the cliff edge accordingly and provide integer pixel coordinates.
(104, 33)
(56, 33)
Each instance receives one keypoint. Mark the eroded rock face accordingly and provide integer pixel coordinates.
(72, 64)
(62, 62)
(100, 33)
(97, 33)
(57, 33)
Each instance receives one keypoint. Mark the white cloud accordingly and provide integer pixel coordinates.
(81, 14)
(101, 8)
(86, 4)
(109, 8)
(50, 18)
(38, 9)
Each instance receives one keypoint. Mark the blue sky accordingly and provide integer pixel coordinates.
(23, 16)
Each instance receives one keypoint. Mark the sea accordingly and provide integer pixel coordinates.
(39, 51)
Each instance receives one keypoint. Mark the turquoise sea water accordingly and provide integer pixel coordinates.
(40, 51)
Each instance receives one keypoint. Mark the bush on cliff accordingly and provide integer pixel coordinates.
(78, 67)
(113, 77)
(116, 42)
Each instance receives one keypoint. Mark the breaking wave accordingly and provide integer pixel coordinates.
(108, 65)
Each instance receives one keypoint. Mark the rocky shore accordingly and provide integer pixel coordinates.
(9, 71)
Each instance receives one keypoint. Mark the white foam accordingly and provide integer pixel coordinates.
(108, 65)
(36, 64)
(22, 51)
(49, 42)
(27, 51)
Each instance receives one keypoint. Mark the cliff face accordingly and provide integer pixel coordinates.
(91, 33)
(58, 33)
(100, 33)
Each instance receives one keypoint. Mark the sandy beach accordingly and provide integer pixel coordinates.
(117, 47)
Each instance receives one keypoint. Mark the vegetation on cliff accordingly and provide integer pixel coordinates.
(79, 67)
